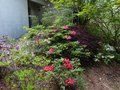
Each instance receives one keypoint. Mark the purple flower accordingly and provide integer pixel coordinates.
(17, 47)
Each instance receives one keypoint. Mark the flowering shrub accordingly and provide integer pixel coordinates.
(5, 59)
(65, 53)
(64, 72)
(53, 49)
(5, 47)
(18, 64)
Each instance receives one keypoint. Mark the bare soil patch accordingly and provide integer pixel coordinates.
(103, 77)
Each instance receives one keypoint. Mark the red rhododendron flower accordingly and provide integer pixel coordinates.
(51, 50)
(66, 27)
(68, 37)
(73, 32)
(66, 60)
(49, 68)
(68, 66)
(69, 81)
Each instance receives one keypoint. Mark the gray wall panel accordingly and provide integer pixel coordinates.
(13, 16)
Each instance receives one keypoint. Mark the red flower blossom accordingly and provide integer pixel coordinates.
(69, 81)
(66, 27)
(68, 37)
(66, 60)
(51, 50)
(73, 32)
(49, 68)
(68, 66)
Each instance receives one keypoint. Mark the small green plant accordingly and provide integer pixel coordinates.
(24, 79)
(106, 55)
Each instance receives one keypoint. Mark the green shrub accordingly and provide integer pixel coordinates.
(57, 18)
(106, 21)
(106, 55)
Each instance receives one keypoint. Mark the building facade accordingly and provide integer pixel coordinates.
(14, 15)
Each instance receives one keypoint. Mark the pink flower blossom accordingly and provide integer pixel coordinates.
(69, 81)
(73, 32)
(68, 37)
(66, 60)
(51, 50)
(66, 27)
(49, 68)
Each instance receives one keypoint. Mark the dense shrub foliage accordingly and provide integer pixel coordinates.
(57, 18)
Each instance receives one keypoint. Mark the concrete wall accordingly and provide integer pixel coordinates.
(13, 16)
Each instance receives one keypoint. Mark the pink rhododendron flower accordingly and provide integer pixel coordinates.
(66, 27)
(49, 68)
(73, 32)
(69, 81)
(51, 50)
(66, 60)
(68, 37)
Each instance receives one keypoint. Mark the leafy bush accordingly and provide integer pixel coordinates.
(107, 20)
(18, 64)
(78, 7)
(57, 18)
(54, 44)
(106, 55)
(24, 79)
(5, 59)
(65, 73)
(62, 44)
(41, 47)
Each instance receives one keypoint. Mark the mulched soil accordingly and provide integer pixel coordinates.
(103, 77)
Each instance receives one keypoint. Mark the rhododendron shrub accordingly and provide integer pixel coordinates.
(61, 43)
(65, 71)
(65, 52)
